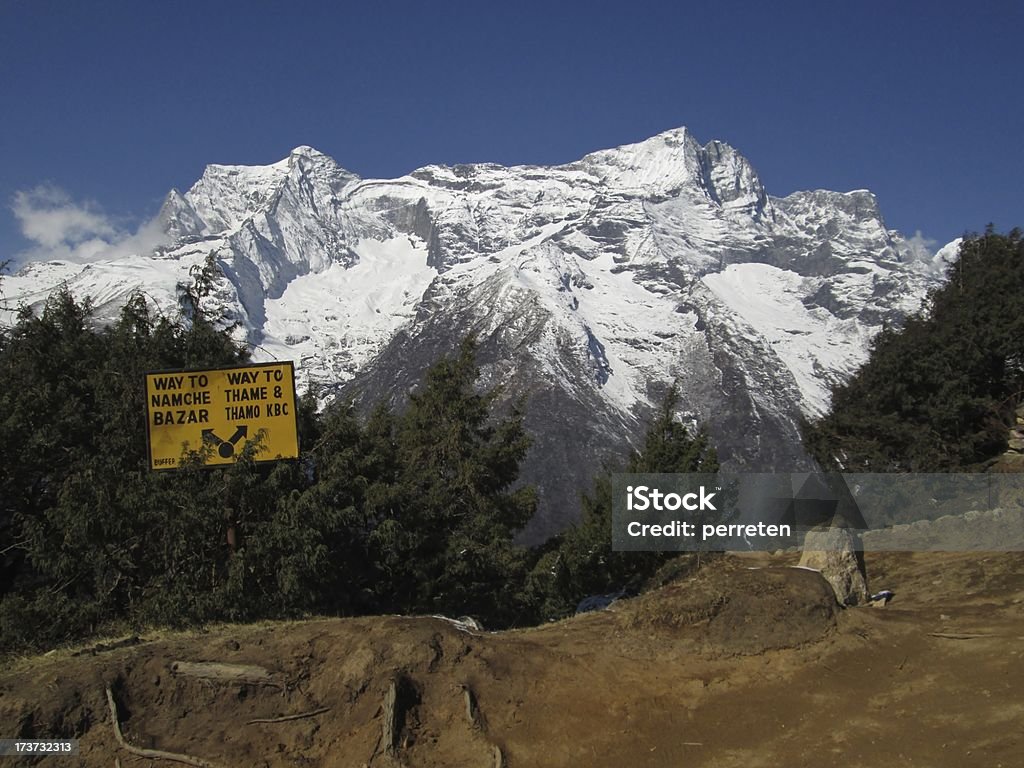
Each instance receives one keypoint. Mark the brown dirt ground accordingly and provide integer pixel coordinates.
(749, 663)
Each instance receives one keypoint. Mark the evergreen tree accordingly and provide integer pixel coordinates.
(443, 531)
(584, 562)
(353, 467)
(81, 505)
(90, 534)
(938, 394)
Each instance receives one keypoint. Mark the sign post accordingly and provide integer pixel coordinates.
(222, 408)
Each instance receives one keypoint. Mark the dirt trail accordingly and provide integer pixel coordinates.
(747, 664)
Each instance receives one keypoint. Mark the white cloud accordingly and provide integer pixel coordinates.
(921, 247)
(926, 255)
(64, 230)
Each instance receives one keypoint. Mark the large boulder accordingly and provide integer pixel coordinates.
(833, 552)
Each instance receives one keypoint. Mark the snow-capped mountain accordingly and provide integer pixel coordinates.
(590, 285)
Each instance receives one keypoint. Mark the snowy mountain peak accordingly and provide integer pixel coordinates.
(731, 180)
(674, 163)
(304, 150)
(308, 160)
(178, 218)
(658, 166)
(226, 195)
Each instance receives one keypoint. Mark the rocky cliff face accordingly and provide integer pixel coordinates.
(591, 286)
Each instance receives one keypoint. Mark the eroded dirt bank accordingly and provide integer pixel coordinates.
(747, 664)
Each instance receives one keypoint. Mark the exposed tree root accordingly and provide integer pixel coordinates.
(155, 754)
(286, 718)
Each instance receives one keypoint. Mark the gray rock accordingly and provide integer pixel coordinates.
(833, 553)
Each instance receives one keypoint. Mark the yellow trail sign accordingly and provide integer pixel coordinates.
(222, 408)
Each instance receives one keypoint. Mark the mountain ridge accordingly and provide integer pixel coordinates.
(591, 285)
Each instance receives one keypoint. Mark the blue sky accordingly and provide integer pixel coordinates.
(106, 105)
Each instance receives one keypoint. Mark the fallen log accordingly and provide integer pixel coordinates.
(225, 673)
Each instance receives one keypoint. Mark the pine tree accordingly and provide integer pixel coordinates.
(444, 530)
(353, 468)
(91, 535)
(585, 563)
